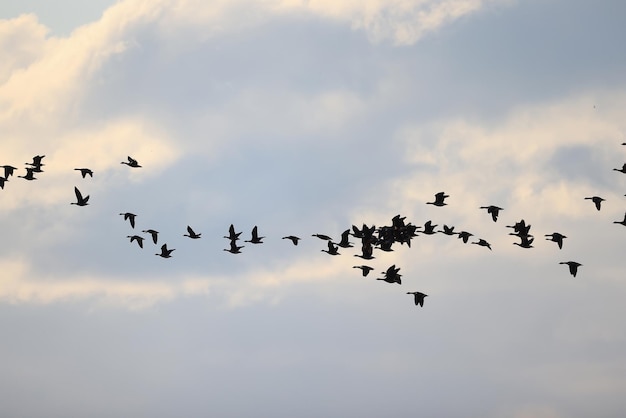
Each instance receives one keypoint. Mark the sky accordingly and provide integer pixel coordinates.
(305, 117)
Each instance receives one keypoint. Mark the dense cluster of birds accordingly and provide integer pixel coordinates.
(371, 238)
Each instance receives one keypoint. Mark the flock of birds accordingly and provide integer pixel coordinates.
(371, 238)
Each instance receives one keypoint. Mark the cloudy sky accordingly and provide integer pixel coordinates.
(307, 117)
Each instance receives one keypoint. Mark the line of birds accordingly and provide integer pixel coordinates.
(381, 238)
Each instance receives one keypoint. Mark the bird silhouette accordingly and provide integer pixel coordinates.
(234, 249)
(232, 235)
(482, 243)
(293, 239)
(439, 199)
(364, 269)
(526, 241)
(8, 171)
(37, 161)
(419, 297)
(129, 217)
(596, 200)
(429, 228)
(573, 266)
(255, 239)
(2, 180)
(322, 236)
(448, 230)
(332, 249)
(131, 162)
(153, 233)
(391, 275)
(556, 237)
(136, 238)
(191, 234)
(80, 200)
(84, 172)
(621, 170)
(493, 210)
(464, 235)
(29, 175)
(345, 243)
(165, 252)
(366, 251)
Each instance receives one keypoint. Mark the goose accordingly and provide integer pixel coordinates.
(29, 175)
(131, 162)
(129, 217)
(165, 252)
(493, 210)
(464, 235)
(429, 228)
(439, 199)
(482, 243)
(153, 233)
(191, 234)
(419, 297)
(366, 252)
(136, 238)
(365, 269)
(322, 236)
(526, 242)
(332, 249)
(293, 239)
(621, 170)
(621, 222)
(556, 237)
(234, 249)
(232, 235)
(573, 266)
(345, 243)
(84, 172)
(36, 161)
(80, 200)
(256, 239)
(448, 230)
(596, 200)
(391, 275)
(520, 227)
(2, 180)
(8, 171)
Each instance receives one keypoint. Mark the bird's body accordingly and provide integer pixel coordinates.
(37, 161)
(345, 243)
(136, 238)
(429, 228)
(526, 241)
(332, 249)
(439, 199)
(153, 233)
(448, 230)
(366, 251)
(131, 162)
(556, 237)
(165, 252)
(597, 200)
(2, 180)
(322, 236)
(234, 248)
(80, 200)
(464, 235)
(621, 170)
(419, 297)
(493, 210)
(191, 233)
(482, 243)
(232, 235)
(130, 217)
(365, 269)
(84, 172)
(255, 239)
(623, 222)
(293, 239)
(573, 266)
(29, 175)
(8, 171)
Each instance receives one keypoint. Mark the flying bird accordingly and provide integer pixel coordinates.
(80, 200)
(621, 222)
(8, 171)
(322, 236)
(429, 228)
(345, 236)
(36, 161)
(439, 199)
(365, 269)
(448, 230)
(29, 175)
(556, 237)
(419, 297)
(332, 249)
(293, 239)
(191, 234)
(153, 233)
(131, 162)
(493, 210)
(573, 266)
(526, 241)
(621, 170)
(165, 252)
(596, 200)
(482, 243)
(232, 235)
(2, 180)
(464, 235)
(136, 238)
(129, 217)
(256, 239)
(84, 172)
(234, 249)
